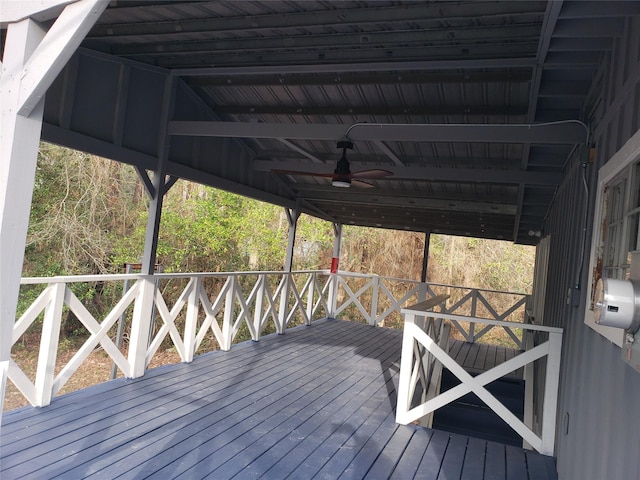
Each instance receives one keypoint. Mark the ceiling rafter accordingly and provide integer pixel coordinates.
(471, 175)
(428, 14)
(562, 133)
(421, 110)
(514, 75)
(385, 39)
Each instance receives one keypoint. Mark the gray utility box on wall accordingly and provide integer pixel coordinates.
(617, 304)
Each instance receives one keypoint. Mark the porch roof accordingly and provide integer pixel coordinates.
(317, 402)
(266, 86)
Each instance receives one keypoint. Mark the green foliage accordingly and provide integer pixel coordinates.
(89, 215)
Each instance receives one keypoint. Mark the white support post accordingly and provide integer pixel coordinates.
(227, 321)
(552, 380)
(374, 303)
(406, 365)
(32, 59)
(143, 310)
(335, 264)
(310, 297)
(19, 139)
(191, 319)
(258, 306)
(292, 219)
(49, 345)
(142, 313)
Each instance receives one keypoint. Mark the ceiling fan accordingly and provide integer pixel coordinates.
(342, 175)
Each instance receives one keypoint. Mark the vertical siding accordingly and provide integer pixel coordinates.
(599, 393)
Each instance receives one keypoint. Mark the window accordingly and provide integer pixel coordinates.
(616, 224)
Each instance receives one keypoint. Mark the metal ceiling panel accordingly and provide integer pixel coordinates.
(294, 66)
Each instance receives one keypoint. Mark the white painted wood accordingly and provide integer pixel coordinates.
(31, 313)
(191, 318)
(333, 291)
(284, 304)
(168, 327)
(40, 10)
(209, 322)
(19, 139)
(98, 336)
(227, 319)
(354, 298)
(550, 405)
(528, 388)
(49, 345)
(629, 153)
(473, 384)
(142, 313)
(258, 307)
(396, 303)
(486, 321)
(373, 316)
(404, 380)
(22, 382)
(55, 50)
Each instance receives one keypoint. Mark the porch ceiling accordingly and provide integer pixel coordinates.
(263, 68)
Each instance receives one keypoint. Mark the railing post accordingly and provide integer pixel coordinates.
(191, 319)
(550, 404)
(227, 321)
(528, 337)
(49, 345)
(310, 297)
(374, 301)
(257, 311)
(142, 313)
(406, 364)
(284, 304)
(474, 307)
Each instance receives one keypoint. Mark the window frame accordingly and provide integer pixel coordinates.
(620, 165)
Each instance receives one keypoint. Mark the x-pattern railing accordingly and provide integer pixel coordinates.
(370, 293)
(254, 299)
(414, 335)
(223, 316)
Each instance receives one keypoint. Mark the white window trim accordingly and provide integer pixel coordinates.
(624, 157)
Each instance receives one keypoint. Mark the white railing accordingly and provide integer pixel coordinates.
(251, 299)
(189, 308)
(415, 335)
(377, 299)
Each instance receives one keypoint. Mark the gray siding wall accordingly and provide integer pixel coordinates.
(599, 409)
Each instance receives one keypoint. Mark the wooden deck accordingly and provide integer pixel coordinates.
(480, 357)
(317, 402)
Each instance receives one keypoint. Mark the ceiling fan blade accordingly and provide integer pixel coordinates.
(371, 174)
(361, 184)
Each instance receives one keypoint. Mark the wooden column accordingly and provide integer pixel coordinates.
(335, 265)
(33, 57)
(143, 310)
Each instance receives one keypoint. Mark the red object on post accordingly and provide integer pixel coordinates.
(334, 265)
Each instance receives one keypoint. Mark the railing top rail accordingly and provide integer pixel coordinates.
(125, 276)
(446, 285)
(486, 321)
(135, 276)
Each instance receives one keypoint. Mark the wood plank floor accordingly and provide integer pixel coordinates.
(480, 357)
(317, 402)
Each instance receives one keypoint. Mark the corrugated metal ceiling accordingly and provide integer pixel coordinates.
(388, 62)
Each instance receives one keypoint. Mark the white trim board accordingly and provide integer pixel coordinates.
(629, 153)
